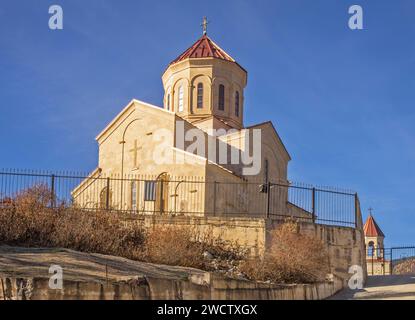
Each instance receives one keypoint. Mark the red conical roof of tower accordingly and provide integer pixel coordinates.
(204, 48)
(372, 229)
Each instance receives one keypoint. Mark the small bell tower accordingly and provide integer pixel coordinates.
(374, 238)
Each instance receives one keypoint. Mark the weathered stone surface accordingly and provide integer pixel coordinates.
(24, 274)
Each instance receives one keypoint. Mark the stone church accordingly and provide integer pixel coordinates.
(179, 158)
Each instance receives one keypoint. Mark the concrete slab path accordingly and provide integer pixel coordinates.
(394, 287)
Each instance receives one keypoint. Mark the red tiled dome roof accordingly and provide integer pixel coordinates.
(372, 229)
(204, 48)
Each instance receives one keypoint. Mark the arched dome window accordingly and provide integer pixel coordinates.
(180, 99)
(221, 102)
(200, 95)
(237, 103)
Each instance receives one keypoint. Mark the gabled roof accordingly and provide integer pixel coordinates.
(127, 108)
(372, 229)
(269, 123)
(204, 48)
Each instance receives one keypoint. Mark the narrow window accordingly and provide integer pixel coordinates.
(237, 103)
(371, 249)
(221, 97)
(180, 99)
(168, 101)
(200, 95)
(150, 191)
(134, 196)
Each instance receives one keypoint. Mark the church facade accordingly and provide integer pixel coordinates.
(148, 154)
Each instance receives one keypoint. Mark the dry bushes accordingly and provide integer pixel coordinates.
(25, 220)
(185, 246)
(28, 221)
(405, 266)
(173, 246)
(292, 258)
(98, 231)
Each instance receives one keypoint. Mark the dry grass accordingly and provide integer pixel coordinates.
(173, 246)
(186, 247)
(292, 258)
(28, 221)
(406, 266)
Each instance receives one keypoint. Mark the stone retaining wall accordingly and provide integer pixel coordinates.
(200, 287)
(345, 245)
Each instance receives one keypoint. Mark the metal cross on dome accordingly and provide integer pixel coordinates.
(204, 25)
(370, 211)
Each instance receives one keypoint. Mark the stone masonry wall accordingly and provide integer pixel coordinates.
(345, 245)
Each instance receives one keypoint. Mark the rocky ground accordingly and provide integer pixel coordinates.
(25, 274)
(35, 262)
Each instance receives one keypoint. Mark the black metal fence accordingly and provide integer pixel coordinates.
(164, 194)
(388, 261)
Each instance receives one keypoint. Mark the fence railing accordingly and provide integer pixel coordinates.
(164, 194)
(388, 261)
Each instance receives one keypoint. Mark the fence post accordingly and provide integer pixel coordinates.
(356, 212)
(268, 198)
(391, 263)
(107, 196)
(52, 191)
(161, 197)
(214, 197)
(313, 205)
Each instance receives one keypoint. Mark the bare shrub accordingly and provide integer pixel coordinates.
(292, 257)
(26, 219)
(29, 222)
(97, 231)
(174, 246)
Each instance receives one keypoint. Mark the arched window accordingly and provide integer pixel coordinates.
(180, 99)
(200, 95)
(221, 102)
(371, 249)
(237, 103)
(168, 101)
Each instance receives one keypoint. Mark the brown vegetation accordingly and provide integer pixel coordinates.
(292, 258)
(27, 220)
(184, 246)
(405, 266)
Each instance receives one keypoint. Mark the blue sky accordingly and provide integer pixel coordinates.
(342, 100)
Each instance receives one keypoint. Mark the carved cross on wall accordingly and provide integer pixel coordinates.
(134, 151)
